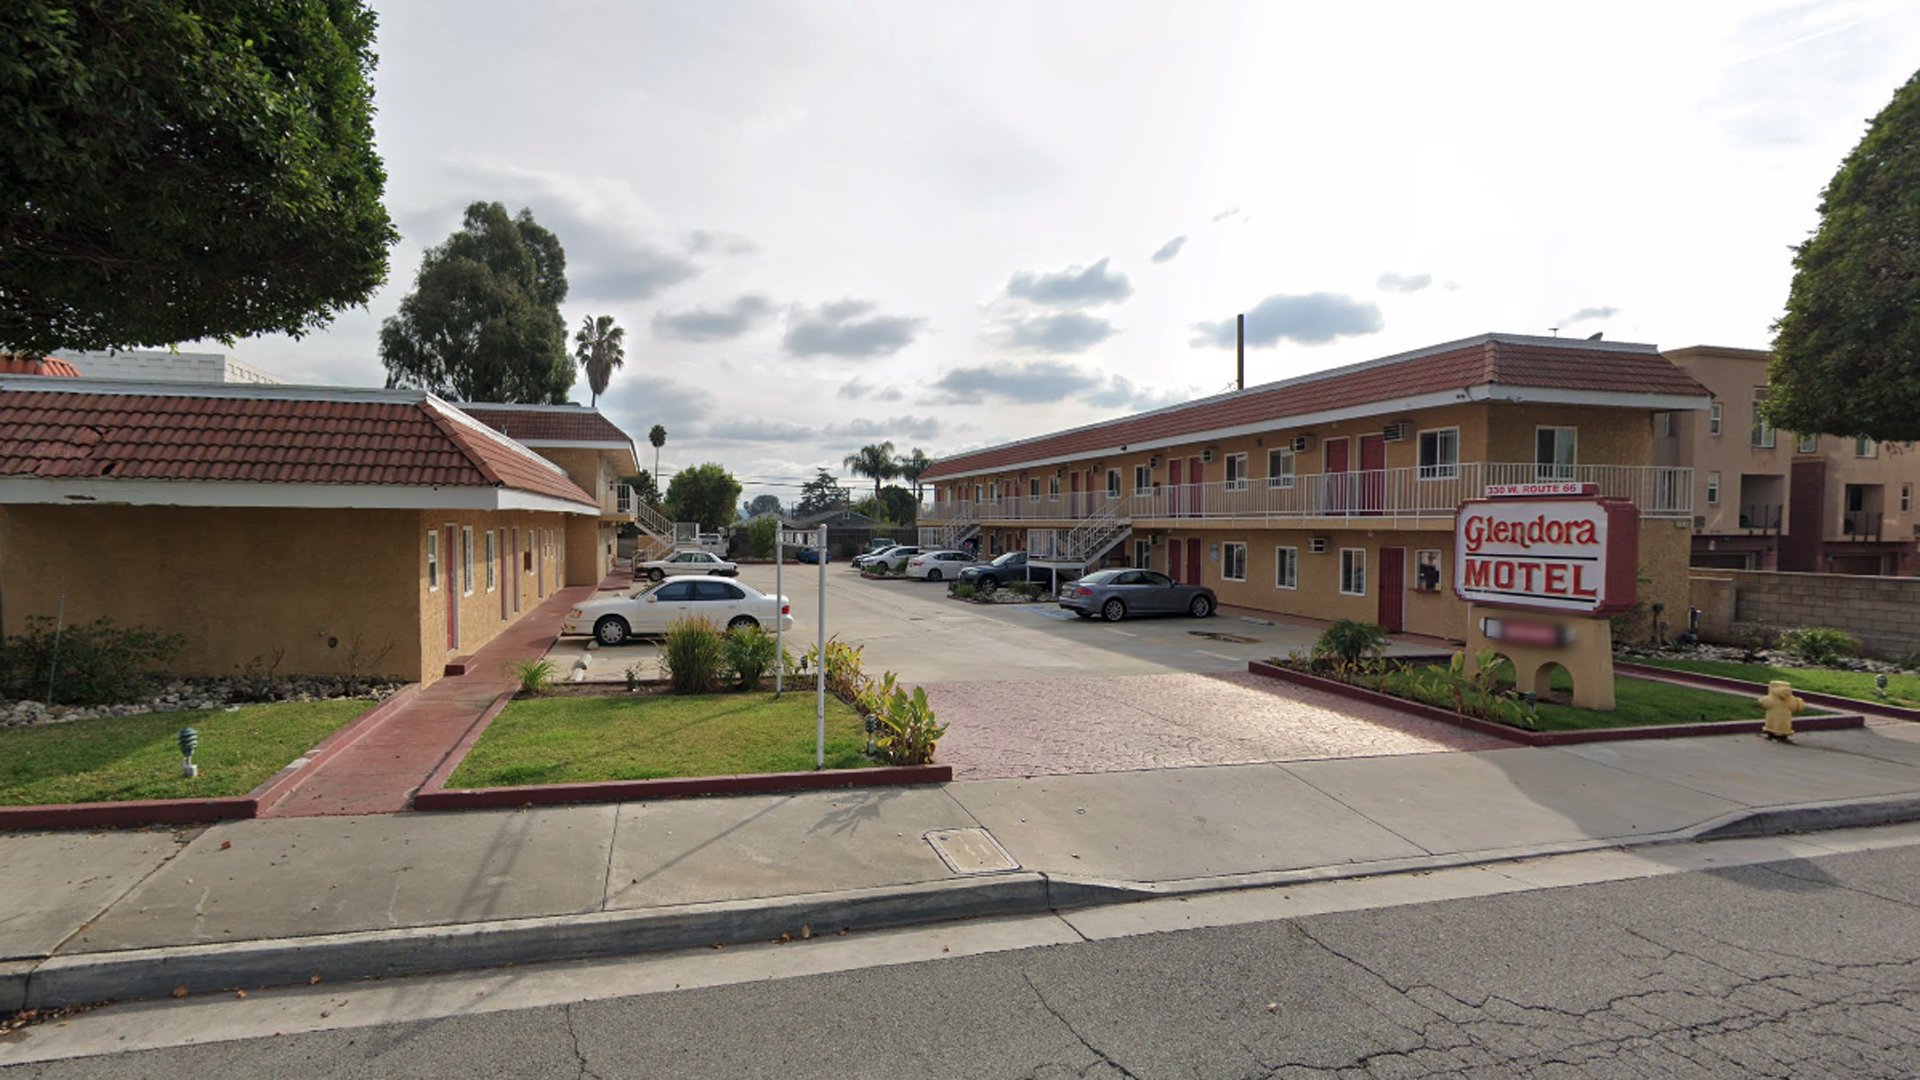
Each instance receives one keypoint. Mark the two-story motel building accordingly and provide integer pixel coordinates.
(1332, 495)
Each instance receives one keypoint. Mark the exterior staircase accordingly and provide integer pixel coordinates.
(1085, 544)
(953, 532)
(656, 534)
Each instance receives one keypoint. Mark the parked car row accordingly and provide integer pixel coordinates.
(649, 611)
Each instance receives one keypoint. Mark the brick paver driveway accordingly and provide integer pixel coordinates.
(1114, 724)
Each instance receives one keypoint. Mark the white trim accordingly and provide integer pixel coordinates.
(244, 493)
(492, 555)
(1226, 561)
(466, 560)
(1344, 552)
(252, 391)
(435, 570)
(1420, 469)
(1277, 549)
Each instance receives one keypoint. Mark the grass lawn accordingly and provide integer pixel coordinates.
(1641, 703)
(112, 759)
(1901, 689)
(584, 739)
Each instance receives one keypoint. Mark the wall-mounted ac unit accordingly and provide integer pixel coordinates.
(1396, 432)
(1206, 456)
(1317, 545)
(1300, 443)
(1153, 462)
(1699, 521)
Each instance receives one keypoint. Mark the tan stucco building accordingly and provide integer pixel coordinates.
(1775, 500)
(1333, 495)
(379, 531)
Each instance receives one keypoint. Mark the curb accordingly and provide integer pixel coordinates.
(150, 973)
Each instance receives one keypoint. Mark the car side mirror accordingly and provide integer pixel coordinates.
(653, 599)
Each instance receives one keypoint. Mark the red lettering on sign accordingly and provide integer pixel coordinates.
(1579, 575)
(1556, 578)
(1478, 575)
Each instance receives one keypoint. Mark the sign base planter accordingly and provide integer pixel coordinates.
(1829, 722)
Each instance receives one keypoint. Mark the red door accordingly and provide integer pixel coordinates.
(1173, 559)
(1193, 563)
(1393, 589)
(1373, 473)
(1194, 491)
(1337, 479)
(449, 582)
(1175, 507)
(1073, 496)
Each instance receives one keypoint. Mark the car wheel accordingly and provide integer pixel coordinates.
(933, 575)
(1113, 611)
(656, 574)
(741, 622)
(1201, 607)
(988, 582)
(611, 630)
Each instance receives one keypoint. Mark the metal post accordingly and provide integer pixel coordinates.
(53, 661)
(779, 617)
(820, 675)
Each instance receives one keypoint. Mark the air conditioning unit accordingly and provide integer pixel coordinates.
(1300, 443)
(1396, 432)
(1206, 456)
(1153, 462)
(1699, 521)
(1317, 545)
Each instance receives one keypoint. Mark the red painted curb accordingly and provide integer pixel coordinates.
(1834, 722)
(1723, 682)
(677, 787)
(133, 812)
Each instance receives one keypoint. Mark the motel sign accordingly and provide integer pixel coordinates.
(1547, 553)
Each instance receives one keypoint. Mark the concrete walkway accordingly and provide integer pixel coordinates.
(127, 914)
(380, 773)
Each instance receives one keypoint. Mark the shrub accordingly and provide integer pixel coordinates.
(258, 680)
(1818, 645)
(1347, 640)
(534, 676)
(962, 590)
(96, 663)
(760, 537)
(750, 653)
(694, 658)
(842, 668)
(906, 733)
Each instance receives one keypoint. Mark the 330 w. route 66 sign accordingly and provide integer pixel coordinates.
(1577, 555)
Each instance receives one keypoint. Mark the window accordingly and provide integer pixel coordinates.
(1143, 553)
(466, 560)
(1142, 480)
(1286, 568)
(1113, 483)
(717, 590)
(1440, 454)
(1663, 425)
(1280, 468)
(433, 560)
(1053, 489)
(674, 592)
(1033, 488)
(1762, 436)
(1233, 562)
(1865, 447)
(1713, 489)
(976, 493)
(1155, 579)
(1713, 419)
(1353, 571)
(1553, 453)
(1906, 497)
(1808, 444)
(1426, 570)
(993, 491)
(492, 581)
(1237, 472)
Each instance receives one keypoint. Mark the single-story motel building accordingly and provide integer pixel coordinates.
(379, 532)
(1333, 495)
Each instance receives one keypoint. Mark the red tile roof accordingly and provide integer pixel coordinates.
(558, 423)
(15, 364)
(132, 435)
(1493, 359)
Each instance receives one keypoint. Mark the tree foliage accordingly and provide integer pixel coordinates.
(912, 467)
(600, 347)
(820, 494)
(1847, 351)
(483, 321)
(762, 504)
(175, 171)
(895, 506)
(646, 489)
(705, 493)
(874, 460)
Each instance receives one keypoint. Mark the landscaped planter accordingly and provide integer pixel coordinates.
(1721, 682)
(1827, 722)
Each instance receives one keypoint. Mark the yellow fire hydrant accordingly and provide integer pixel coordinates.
(1780, 703)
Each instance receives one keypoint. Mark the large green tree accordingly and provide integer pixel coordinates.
(600, 346)
(657, 437)
(895, 506)
(173, 170)
(874, 460)
(821, 493)
(762, 504)
(705, 493)
(1847, 351)
(483, 321)
(913, 466)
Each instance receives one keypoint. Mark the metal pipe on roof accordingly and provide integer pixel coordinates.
(1240, 370)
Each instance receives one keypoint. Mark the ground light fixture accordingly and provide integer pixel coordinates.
(189, 742)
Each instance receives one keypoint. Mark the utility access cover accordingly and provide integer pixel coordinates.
(971, 851)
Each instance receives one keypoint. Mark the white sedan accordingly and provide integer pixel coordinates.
(727, 604)
(940, 565)
(686, 562)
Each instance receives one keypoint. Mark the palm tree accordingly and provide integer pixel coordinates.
(912, 467)
(599, 348)
(876, 461)
(658, 437)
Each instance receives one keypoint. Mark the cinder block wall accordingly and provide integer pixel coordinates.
(1883, 612)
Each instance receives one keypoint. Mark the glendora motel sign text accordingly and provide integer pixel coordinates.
(1541, 567)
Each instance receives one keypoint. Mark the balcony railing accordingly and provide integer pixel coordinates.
(1860, 524)
(1425, 493)
(622, 499)
(1761, 518)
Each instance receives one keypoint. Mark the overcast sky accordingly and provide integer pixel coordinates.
(830, 223)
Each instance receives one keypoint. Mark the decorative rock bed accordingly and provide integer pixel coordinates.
(186, 694)
(1735, 654)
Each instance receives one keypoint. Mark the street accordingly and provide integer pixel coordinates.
(1707, 960)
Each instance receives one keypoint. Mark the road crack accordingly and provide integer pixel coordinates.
(1102, 1055)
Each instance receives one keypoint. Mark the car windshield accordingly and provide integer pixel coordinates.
(1100, 577)
(1010, 558)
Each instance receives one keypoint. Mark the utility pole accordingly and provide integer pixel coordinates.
(1240, 369)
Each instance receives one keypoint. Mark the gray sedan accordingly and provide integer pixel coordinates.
(1115, 594)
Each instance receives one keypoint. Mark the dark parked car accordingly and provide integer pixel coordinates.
(1115, 594)
(812, 555)
(1006, 570)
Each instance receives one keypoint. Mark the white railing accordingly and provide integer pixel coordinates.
(622, 499)
(1418, 493)
(651, 520)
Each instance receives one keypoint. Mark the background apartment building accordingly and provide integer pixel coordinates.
(1775, 500)
(161, 365)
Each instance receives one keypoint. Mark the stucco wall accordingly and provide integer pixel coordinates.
(540, 569)
(1883, 612)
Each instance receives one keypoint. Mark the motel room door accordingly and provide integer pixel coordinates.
(1073, 496)
(1193, 563)
(1173, 560)
(1393, 589)
(1373, 473)
(447, 585)
(1337, 479)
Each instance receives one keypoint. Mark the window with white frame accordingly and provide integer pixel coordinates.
(1033, 487)
(1142, 480)
(1554, 452)
(1353, 571)
(1286, 568)
(1426, 570)
(1236, 472)
(1713, 489)
(433, 560)
(1865, 447)
(1233, 562)
(1906, 497)
(466, 560)
(1143, 554)
(1053, 489)
(492, 572)
(1113, 483)
(1761, 438)
(1440, 454)
(1713, 418)
(1280, 468)
(1808, 444)
(993, 491)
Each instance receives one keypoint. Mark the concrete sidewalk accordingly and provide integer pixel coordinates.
(246, 903)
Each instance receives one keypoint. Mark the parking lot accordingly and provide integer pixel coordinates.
(1031, 690)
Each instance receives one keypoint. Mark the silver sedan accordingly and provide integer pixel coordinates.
(1115, 594)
